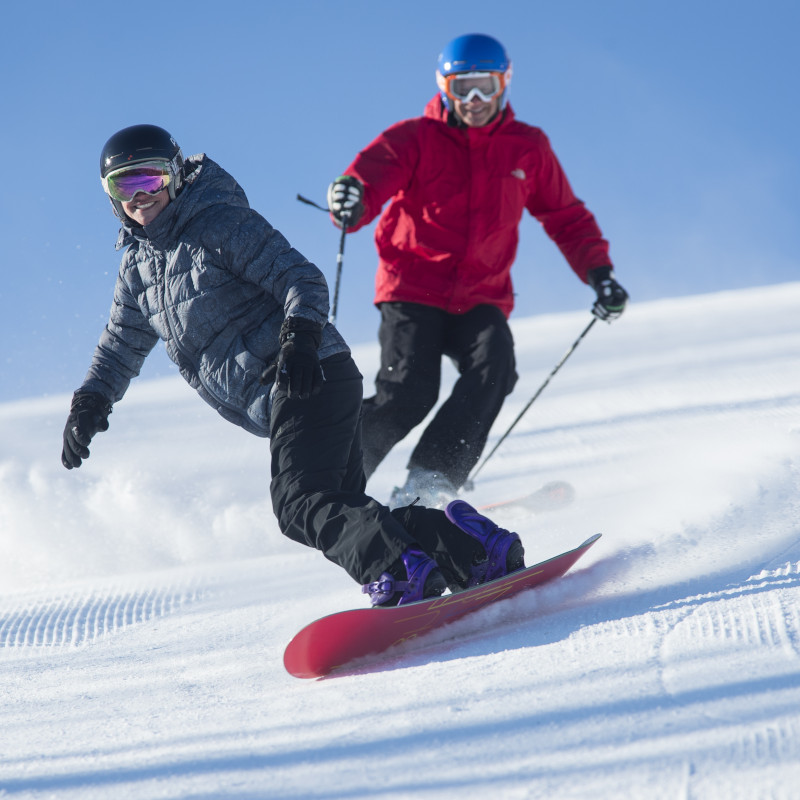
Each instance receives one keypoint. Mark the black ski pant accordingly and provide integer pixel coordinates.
(413, 340)
(318, 484)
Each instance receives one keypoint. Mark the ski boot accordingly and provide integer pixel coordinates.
(423, 579)
(504, 550)
(431, 488)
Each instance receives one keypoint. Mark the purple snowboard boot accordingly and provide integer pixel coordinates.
(423, 580)
(504, 551)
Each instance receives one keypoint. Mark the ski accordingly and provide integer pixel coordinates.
(550, 497)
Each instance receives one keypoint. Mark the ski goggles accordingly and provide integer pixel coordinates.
(150, 177)
(464, 86)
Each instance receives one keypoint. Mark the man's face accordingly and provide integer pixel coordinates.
(475, 95)
(476, 113)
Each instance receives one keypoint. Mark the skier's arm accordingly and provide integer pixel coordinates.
(118, 357)
(123, 346)
(565, 218)
(385, 167)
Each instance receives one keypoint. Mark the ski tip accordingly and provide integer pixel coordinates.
(591, 540)
(559, 486)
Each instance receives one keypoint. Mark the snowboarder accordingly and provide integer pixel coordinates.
(458, 180)
(243, 315)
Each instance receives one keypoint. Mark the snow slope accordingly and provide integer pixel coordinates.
(146, 598)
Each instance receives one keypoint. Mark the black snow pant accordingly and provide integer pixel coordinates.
(413, 339)
(318, 484)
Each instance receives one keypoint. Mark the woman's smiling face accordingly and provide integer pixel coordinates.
(144, 208)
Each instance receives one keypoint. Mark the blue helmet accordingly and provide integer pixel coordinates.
(473, 52)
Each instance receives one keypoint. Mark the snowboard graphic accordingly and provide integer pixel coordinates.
(333, 641)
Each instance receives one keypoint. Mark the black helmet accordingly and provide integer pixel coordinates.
(142, 143)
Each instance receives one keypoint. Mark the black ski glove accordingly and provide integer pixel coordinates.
(345, 200)
(298, 363)
(88, 415)
(611, 297)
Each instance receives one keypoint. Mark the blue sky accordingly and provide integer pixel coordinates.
(676, 123)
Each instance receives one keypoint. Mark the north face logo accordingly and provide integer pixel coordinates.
(519, 173)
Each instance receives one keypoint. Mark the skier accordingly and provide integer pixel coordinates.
(458, 180)
(243, 315)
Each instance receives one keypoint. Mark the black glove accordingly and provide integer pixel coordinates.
(611, 297)
(88, 414)
(345, 200)
(298, 363)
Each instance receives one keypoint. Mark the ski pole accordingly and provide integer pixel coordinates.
(339, 256)
(533, 399)
(339, 262)
(311, 203)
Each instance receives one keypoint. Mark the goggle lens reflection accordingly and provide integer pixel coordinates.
(149, 178)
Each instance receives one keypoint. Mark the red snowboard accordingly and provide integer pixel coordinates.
(333, 641)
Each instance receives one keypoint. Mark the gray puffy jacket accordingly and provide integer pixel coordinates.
(214, 280)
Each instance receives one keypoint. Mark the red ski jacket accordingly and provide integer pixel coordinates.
(449, 236)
